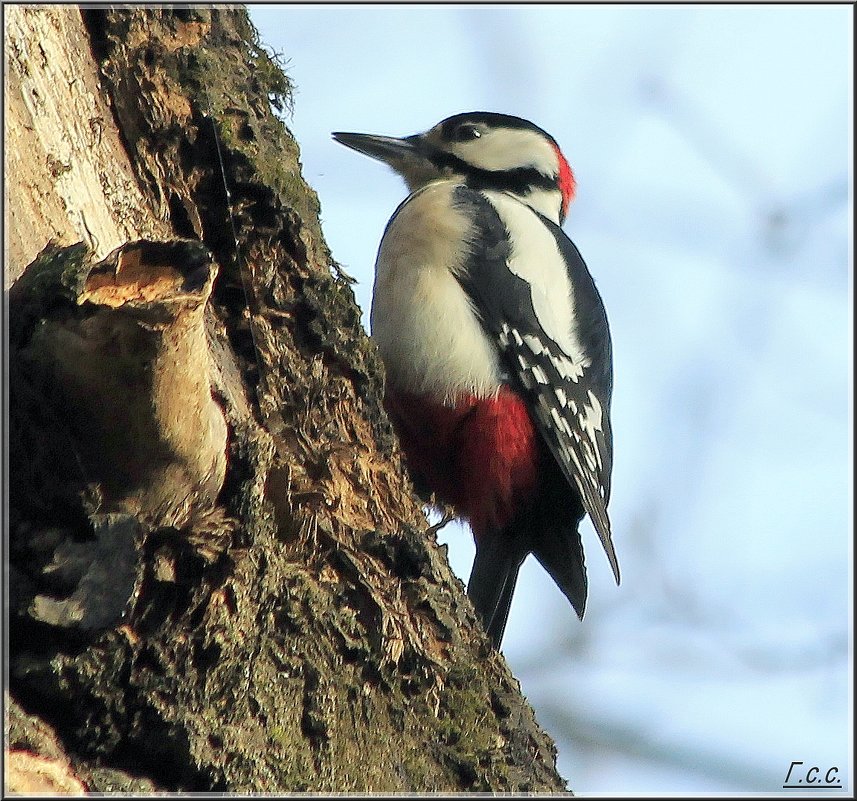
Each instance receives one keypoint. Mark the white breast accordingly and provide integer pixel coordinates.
(430, 340)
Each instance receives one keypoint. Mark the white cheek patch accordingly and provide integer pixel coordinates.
(501, 149)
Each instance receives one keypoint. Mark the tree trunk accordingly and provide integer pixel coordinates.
(220, 577)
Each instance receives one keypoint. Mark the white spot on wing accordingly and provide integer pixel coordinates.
(577, 464)
(533, 344)
(590, 459)
(501, 149)
(591, 420)
(571, 370)
(592, 415)
(539, 374)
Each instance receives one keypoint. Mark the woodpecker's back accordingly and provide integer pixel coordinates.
(496, 348)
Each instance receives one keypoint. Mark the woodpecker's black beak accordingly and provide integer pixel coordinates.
(388, 149)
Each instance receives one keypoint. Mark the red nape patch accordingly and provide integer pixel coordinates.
(481, 455)
(566, 182)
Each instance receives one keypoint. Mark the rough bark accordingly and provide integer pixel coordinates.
(220, 577)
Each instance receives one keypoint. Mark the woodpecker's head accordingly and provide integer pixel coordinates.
(483, 149)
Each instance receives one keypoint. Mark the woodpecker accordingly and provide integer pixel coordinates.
(496, 348)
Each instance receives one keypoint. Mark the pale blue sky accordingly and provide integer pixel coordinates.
(712, 147)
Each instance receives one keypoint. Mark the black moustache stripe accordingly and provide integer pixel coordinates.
(520, 180)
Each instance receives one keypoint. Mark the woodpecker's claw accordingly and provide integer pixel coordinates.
(448, 517)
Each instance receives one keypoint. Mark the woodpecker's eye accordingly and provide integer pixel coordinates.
(466, 133)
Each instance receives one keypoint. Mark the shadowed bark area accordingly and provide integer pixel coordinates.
(220, 576)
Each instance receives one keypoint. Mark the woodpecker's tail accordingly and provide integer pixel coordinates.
(560, 552)
(499, 556)
(492, 581)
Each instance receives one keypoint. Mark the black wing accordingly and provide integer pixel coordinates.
(569, 393)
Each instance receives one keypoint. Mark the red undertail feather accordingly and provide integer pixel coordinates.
(480, 455)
